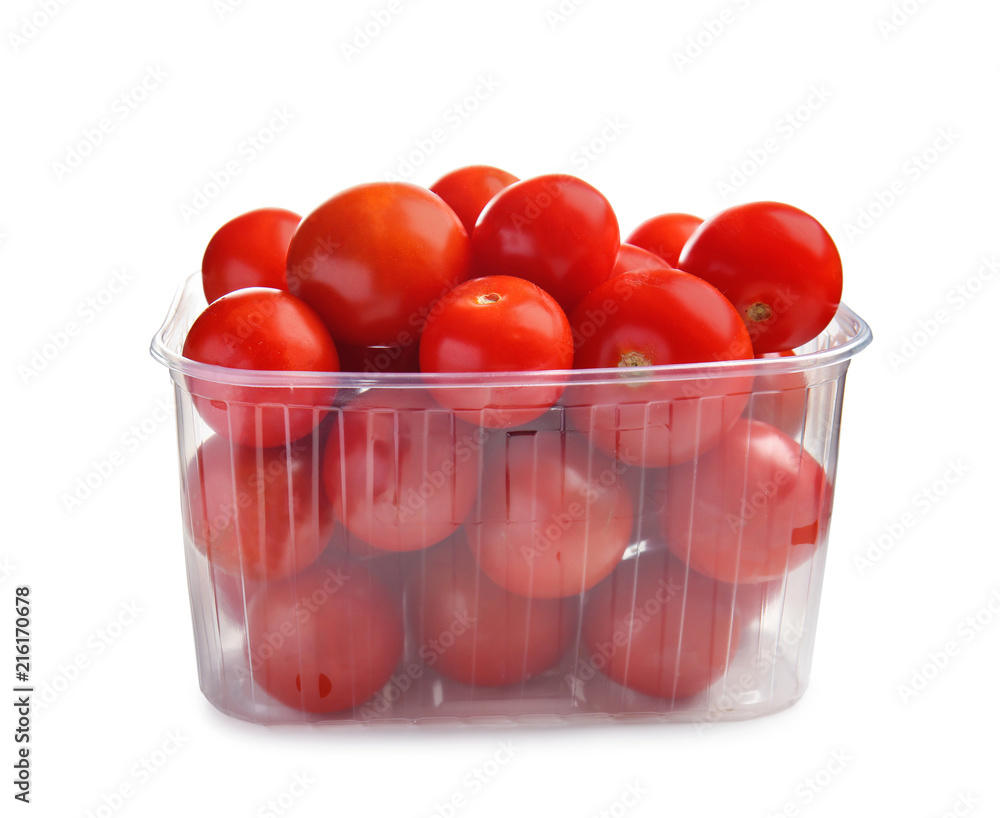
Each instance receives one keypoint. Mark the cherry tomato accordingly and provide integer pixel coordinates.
(780, 398)
(648, 318)
(659, 629)
(472, 630)
(326, 640)
(261, 329)
(553, 517)
(400, 474)
(554, 230)
(751, 509)
(468, 190)
(373, 260)
(665, 235)
(632, 258)
(258, 512)
(776, 264)
(248, 251)
(497, 324)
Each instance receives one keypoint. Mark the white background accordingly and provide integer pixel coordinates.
(919, 408)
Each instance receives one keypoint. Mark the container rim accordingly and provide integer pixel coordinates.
(846, 336)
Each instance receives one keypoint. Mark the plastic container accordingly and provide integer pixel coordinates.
(269, 649)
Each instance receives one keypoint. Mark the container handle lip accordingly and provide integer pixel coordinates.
(861, 336)
(158, 347)
(851, 324)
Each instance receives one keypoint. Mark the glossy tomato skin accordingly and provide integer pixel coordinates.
(468, 190)
(750, 510)
(632, 258)
(470, 629)
(260, 513)
(659, 629)
(373, 259)
(326, 640)
(665, 235)
(555, 230)
(497, 324)
(248, 251)
(657, 317)
(777, 265)
(400, 473)
(261, 329)
(553, 517)
(648, 318)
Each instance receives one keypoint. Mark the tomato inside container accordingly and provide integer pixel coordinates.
(404, 563)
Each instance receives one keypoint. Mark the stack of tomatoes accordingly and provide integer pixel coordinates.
(485, 502)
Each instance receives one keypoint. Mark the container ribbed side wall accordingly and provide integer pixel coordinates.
(773, 622)
(305, 552)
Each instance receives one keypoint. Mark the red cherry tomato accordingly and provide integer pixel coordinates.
(472, 630)
(326, 640)
(248, 251)
(468, 190)
(659, 629)
(776, 264)
(373, 260)
(400, 474)
(553, 517)
(497, 324)
(261, 329)
(632, 258)
(648, 318)
(665, 235)
(780, 398)
(751, 509)
(258, 512)
(554, 230)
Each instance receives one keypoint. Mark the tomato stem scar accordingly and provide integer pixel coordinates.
(633, 359)
(759, 311)
(488, 298)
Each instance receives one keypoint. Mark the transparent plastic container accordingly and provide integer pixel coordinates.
(301, 619)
